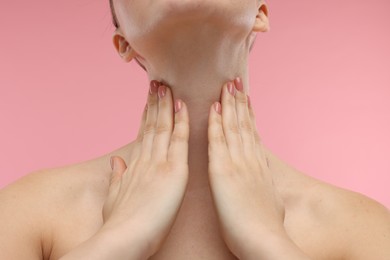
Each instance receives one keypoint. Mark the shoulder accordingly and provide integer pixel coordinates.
(32, 206)
(330, 221)
(361, 224)
(45, 186)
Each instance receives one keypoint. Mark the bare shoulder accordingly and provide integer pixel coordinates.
(364, 222)
(32, 207)
(361, 225)
(53, 184)
(329, 221)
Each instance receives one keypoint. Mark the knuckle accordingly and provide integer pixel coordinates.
(163, 104)
(233, 129)
(218, 139)
(152, 103)
(149, 129)
(179, 137)
(241, 99)
(216, 120)
(230, 101)
(181, 120)
(182, 124)
(245, 125)
(162, 128)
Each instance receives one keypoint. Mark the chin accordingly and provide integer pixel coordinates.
(229, 8)
(224, 13)
(163, 21)
(142, 16)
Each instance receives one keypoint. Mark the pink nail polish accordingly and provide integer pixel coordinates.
(238, 83)
(162, 90)
(178, 106)
(217, 107)
(154, 84)
(231, 88)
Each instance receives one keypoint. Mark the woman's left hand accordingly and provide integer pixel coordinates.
(249, 209)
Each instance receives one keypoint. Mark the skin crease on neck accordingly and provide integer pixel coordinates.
(194, 47)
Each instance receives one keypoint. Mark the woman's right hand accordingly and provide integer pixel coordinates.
(145, 196)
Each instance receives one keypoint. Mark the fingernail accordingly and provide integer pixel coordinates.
(249, 101)
(231, 88)
(162, 90)
(217, 107)
(154, 84)
(177, 106)
(238, 83)
(112, 162)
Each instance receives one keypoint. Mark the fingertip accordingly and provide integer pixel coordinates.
(162, 91)
(238, 83)
(154, 84)
(178, 105)
(231, 89)
(181, 112)
(118, 163)
(217, 108)
(184, 108)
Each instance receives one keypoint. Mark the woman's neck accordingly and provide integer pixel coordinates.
(196, 70)
(196, 65)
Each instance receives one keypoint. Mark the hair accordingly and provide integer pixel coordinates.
(114, 19)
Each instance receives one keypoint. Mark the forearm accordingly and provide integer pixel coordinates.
(107, 245)
(273, 247)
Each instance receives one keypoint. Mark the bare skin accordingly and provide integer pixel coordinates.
(325, 222)
(53, 212)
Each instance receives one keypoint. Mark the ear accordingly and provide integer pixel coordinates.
(262, 21)
(123, 47)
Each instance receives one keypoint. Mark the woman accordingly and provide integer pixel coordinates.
(197, 183)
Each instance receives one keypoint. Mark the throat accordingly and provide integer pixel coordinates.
(195, 61)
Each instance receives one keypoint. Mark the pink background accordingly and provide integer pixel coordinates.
(320, 81)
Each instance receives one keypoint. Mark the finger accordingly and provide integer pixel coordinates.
(229, 121)
(137, 145)
(118, 167)
(178, 148)
(258, 142)
(164, 126)
(218, 149)
(150, 124)
(142, 125)
(244, 119)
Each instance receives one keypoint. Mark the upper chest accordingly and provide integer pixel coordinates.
(195, 233)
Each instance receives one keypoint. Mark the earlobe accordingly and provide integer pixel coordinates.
(123, 47)
(262, 21)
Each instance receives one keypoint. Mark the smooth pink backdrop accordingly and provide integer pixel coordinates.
(320, 83)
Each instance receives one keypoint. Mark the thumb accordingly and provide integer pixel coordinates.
(118, 166)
